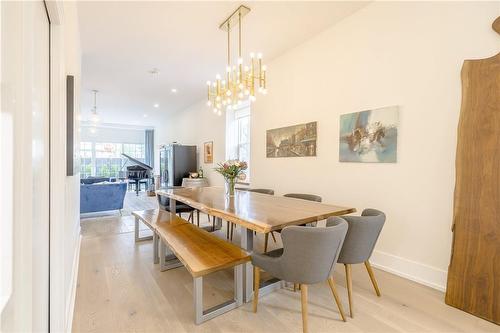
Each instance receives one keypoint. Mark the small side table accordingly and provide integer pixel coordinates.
(194, 182)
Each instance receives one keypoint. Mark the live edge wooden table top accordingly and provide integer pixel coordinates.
(256, 211)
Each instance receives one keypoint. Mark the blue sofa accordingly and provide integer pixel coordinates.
(93, 180)
(101, 197)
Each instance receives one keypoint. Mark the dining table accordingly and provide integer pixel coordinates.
(253, 212)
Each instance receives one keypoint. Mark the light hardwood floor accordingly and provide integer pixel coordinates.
(121, 290)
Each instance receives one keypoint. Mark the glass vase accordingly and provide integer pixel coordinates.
(229, 186)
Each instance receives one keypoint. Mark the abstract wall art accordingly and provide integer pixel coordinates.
(292, 141)
(369, 136)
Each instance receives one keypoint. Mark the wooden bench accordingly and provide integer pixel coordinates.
(201, 253)
(153, 218)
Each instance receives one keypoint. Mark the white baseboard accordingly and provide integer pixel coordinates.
(411, 270)
(70, 304)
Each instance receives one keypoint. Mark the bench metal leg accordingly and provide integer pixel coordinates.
(168, 260)
(136, 233)
(156, 256)
(204, 315)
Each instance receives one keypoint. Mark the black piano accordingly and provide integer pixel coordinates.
(138, 172)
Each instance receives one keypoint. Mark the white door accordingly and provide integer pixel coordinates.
(25, 92)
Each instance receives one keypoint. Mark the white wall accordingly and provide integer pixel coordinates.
(71, 221)
(194, 126)
(112, 135)
(388, 53)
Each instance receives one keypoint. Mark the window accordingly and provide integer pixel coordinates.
(85, 159)
(134, 150)
(108, 159)
(101, 159)
(238, 136)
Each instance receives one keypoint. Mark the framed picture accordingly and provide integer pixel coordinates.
(292, 141)
(369, 136)
(72, 160)
(208, 152)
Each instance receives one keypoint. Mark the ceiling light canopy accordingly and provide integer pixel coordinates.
(240, 80)
(154, 71)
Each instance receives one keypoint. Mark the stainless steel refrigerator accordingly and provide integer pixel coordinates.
(176, 162)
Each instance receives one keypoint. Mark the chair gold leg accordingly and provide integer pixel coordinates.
(303, 299)
(198, 218)
(274, 238)
(348, 278)
(372, 277)
(232, 230)
(266, 240)
(331, 282)
(256, 285)
(227, 231)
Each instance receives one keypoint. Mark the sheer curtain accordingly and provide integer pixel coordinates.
(149, 147)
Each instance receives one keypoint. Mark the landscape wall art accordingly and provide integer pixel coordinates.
(292, 141)
(369, 136)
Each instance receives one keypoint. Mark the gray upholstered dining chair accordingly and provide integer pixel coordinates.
(261, 190)
(303, 196)
(310, 197)
(308, 256)
(359, 243)
(164, 204)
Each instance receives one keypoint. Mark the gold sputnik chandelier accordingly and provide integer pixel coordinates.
(240, 80)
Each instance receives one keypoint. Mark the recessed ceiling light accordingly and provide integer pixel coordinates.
(145, 115)
(173, 90)
(156, 105)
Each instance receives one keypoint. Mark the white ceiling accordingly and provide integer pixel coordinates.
(122, 40)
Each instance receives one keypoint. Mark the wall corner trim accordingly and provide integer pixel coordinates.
(427, 275)
(55, 11)
(70, 303)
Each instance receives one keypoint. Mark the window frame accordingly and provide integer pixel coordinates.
(233, 136)
(138, 148)
(92, 159)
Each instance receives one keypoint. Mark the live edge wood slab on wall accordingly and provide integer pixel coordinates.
(474, 271)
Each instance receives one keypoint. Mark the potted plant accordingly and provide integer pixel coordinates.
(231, 170)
